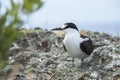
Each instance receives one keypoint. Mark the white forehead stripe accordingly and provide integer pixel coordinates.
(63, 26)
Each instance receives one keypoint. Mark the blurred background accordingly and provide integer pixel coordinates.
(93, 15)
(13, 15)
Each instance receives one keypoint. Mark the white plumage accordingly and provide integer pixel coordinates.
(72, 42)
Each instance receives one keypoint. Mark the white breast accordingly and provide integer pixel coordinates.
(72, 44)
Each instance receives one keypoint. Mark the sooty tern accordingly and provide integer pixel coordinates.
(76, 45)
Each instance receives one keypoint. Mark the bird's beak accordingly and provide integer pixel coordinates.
(57, 29)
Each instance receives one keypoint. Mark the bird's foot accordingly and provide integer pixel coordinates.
(84, 64)
(73, 65)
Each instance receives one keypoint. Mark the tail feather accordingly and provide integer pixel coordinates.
(99, 45)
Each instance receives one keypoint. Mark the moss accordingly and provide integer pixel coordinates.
(3, 64)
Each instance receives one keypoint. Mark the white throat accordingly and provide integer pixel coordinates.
(72, 42)
(71, 31)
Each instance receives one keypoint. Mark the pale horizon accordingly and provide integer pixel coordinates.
(95, 15)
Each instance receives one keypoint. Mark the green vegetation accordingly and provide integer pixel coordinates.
(10, 23)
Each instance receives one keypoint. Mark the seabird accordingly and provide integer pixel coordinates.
(76, 45)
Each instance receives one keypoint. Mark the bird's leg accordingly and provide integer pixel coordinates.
(82, 61)
(73, 62)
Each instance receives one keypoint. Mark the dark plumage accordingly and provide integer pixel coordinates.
(87, 46)
(64, 48)
(71, 25)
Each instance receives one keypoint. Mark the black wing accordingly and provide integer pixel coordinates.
(87, 46)
(64, 48)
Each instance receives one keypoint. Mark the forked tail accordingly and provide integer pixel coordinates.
(99, 45)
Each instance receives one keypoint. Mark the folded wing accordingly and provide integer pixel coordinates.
(87, 46)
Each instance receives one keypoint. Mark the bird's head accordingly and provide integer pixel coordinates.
(67, 28)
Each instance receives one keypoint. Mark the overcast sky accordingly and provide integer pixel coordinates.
(84, 13)
(78, 11)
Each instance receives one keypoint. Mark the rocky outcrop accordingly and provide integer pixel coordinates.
(40, 56)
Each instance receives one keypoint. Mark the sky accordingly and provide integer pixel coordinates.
(79, 11)
(96, 15)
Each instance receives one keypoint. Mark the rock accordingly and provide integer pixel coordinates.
(43, 57)
(94, 75)
(14, 49)
(23, 43)
(11, 60)
(116, 76)
(20, 75)
(35, 62)
(85, 76)
(113, 66)
(7, 70)
(32, 35)
(46, 45)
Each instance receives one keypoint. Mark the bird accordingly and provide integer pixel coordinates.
(76, 45)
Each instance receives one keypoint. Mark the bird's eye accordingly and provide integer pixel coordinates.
(66, 27)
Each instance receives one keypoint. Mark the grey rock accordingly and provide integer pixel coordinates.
(20, 75)
(94, 75)
(7, 70)
(23, 43)
(43, 57)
